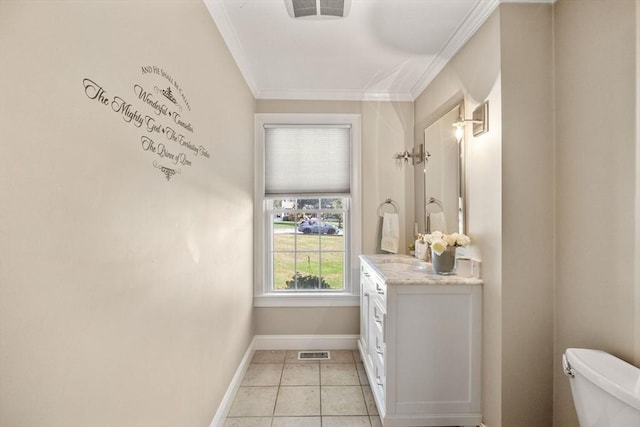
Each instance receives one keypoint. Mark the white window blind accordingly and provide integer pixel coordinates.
(307, 159)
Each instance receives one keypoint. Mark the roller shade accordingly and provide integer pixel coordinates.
(307, 160)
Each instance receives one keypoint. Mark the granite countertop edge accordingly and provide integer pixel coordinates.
(391, 268)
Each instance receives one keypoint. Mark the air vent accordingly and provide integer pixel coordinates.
(314, 355)
(318, 9)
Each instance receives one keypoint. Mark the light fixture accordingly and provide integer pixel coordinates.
(480, 120)
(416, 156)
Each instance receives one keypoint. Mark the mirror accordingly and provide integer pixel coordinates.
(442, 205)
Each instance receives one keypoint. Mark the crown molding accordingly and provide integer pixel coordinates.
(465, 31)
(333, 95)
(528, 1)
(219, 14)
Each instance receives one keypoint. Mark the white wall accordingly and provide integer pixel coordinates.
(125, 299)
(596, 168)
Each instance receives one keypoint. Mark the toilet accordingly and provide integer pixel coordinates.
(605, 389)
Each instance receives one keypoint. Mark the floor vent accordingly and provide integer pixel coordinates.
(314, 355)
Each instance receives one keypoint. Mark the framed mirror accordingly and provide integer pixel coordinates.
(443, 201)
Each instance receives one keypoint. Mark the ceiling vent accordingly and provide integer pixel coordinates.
(318, 9)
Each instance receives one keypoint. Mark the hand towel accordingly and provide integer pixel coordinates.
(437, 222)
(390, 233)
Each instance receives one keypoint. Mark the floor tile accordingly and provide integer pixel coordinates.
(298, 401)
(346, 422)
(356, 356)
(296, 422)
(301, 374)
(375, 421)
(254, 402)
(339, 374)
(262, 374)
(369, 401)
(362, 374)
(340, 356)
(269, 356)
(248, 422)
(343, 400)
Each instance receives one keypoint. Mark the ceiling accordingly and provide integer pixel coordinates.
(382, 50)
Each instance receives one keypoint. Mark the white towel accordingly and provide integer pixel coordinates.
(390, 233)
(437, 222)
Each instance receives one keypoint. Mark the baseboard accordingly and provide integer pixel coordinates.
(278, 342)
(227, 400)
(306, 342)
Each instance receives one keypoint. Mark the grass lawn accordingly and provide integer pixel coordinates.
(310, 250)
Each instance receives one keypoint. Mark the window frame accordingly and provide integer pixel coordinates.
(263, 295)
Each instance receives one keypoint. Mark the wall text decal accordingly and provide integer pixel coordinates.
(161, 113)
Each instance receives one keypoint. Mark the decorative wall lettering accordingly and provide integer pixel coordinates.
(160, 114)
(168, 172)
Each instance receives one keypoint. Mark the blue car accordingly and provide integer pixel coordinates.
(315, 227)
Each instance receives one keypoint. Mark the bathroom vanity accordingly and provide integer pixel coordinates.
(420, 342)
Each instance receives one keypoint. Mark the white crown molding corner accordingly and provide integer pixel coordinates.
(467, 29)
(219, 15)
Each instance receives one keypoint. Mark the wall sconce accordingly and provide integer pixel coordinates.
(480, 120)
(416, 156)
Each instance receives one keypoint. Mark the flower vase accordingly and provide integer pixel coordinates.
(421, 250)
(445, 262)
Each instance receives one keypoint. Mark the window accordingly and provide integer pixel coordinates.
(307, 243)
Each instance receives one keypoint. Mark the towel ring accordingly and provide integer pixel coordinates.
(387, 202)
(434, 201)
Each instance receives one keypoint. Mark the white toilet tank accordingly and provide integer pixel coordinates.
(605, 389)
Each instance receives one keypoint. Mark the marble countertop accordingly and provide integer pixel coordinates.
(408, 270)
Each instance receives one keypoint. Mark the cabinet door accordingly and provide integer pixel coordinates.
(435, 351)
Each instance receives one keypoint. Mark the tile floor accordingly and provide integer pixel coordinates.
(279, 390)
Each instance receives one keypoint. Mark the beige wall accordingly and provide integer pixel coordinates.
(527, 214)
(474, 73)
(596, 104)
(510, 169)
(387, 129)
(637, 221)
(125, 298)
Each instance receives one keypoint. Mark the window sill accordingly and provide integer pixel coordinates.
(306, 300)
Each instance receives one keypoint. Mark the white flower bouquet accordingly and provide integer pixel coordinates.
(439, 241)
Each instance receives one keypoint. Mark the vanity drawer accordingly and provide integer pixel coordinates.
(380, 289)
(378, 373)
(373, 282)
(379, 345)
(379, 319)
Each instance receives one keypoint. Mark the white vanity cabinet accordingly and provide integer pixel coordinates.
(420, 342)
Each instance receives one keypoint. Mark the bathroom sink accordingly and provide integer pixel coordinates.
(400, 266)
